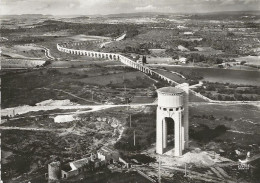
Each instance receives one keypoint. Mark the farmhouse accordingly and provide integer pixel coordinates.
(108, 155)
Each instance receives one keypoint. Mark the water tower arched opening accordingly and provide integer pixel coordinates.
(169, 122)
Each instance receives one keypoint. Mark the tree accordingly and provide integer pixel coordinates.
(144, 60)
(242, 62)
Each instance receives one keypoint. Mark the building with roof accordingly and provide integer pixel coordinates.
(103, 157)
(75, 167)
(108, 155)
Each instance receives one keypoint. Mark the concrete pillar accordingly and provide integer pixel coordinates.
(185, 88)
(159, 135)
(164, 133)
(178, 136)
(183, 133)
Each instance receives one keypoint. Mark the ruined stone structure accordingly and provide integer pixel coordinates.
(54, 171)
(172, 108)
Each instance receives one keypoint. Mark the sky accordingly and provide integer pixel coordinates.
(103, 7)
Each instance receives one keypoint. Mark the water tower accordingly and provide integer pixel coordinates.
(172, 108)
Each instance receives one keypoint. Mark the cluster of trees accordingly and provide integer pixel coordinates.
(48, 62)
(205, 134)
(23, 40)
(193, 77)
(137, 50)
(232, 97)
(229, 92)
(209, 117)
(173, 53)
(195, 57)
(240, 97)
(253, 90)
(228, 118)
(172, 47)
(220, 42)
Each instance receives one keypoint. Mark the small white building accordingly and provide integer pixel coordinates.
(181, 27)
(64, 118)
(182, 48)
(188, 33)
(183, 60)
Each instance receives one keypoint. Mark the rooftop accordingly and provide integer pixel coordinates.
(80, 163)
(170, 90)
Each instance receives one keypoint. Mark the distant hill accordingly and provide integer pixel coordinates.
(35, 16)
(138, 14)
(234, 12)
(149, 14)
(135, 15)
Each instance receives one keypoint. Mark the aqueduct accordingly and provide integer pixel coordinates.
(63, 47)
(68, 48)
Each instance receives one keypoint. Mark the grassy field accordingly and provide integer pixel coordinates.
(22, 87)
(240, 120)
(24, 51)
(21, 63)
(244, 117)
(86, 62)
(112, 78)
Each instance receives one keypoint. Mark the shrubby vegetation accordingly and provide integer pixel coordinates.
(204, 134)
(112, 30)
(138, 82)
(229, 92)
(144, 126)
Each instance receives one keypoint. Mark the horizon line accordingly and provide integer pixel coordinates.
(129, 13)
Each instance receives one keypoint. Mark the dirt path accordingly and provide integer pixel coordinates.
(30, 129)
(47, 52)
(93, 108)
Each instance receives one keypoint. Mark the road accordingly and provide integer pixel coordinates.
(93, 108)
(47, 51)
